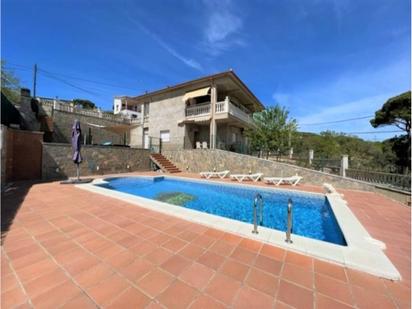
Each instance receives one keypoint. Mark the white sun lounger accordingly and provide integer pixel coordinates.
(208, 175)
(292, 180)
(241, 177)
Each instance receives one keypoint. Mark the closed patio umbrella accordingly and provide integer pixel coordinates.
(76, 155)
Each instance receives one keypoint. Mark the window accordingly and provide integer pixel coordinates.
(233, 137)
(165, 136)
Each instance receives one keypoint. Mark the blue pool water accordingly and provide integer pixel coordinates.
(312, 214)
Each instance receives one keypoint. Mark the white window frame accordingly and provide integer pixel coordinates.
(234, 137)
(165, 135)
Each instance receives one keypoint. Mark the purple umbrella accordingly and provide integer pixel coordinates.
(76, 132)
(77, 157)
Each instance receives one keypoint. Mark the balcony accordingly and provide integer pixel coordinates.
(223, 109)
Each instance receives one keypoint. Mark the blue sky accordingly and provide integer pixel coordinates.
(324, 60)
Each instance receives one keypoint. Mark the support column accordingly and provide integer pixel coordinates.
(142, 111)
(344, 165)
(213, 127)
(310, 156)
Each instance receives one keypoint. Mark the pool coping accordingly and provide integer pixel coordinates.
(362, 252)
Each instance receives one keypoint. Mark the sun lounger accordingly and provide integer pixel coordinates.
(293, 180)
(241, 177)
(208, 175)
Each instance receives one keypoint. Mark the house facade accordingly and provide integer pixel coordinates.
(209, 112)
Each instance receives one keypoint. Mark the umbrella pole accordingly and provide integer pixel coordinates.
(78, 172)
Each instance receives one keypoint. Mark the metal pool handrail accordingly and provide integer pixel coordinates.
(289, 222)
(257, 201)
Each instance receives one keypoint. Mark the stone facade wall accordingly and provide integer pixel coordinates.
(166, 112)
(136, 137)
(198, 160)
(97, 160)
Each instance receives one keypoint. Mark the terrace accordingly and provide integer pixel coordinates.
(223, 110)
(63, 246)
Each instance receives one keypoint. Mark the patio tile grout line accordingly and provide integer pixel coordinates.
(216, 271)
(18, 280)
(67, 235)
(70, 277)
(115, 270)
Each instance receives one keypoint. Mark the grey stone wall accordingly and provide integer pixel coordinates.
(63, 122)
(97, 160)
(166, 112)
(198, 160)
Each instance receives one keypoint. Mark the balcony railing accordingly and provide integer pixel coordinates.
(198, 110)
(398, 181)
(220, 107)
(240, 114)
(69, 107)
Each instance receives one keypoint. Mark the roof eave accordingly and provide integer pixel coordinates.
(229, 73)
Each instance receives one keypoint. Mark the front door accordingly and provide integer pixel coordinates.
(196, 138)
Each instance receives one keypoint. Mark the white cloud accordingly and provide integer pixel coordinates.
(187, 61)
(222, 27)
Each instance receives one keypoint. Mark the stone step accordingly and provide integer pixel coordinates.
(164, 163)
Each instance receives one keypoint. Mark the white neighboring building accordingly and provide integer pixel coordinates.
(120, 107)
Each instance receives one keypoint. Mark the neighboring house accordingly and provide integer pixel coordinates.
(211, 111)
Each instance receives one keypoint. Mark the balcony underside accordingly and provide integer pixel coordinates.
(223, 118)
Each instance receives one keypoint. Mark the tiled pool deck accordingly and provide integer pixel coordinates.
(69, 248)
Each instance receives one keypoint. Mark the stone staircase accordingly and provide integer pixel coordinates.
(164, 164)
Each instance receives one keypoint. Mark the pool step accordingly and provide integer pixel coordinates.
(164, 164)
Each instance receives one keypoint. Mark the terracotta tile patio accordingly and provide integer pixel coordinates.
(65, 247)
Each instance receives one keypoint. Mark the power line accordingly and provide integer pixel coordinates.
(70, 84)
(372, 132)
(336, 121)
(18, 69)
(88, 80)
(24, 67)
(18, 65)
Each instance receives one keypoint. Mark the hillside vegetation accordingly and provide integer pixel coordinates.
(362, 154)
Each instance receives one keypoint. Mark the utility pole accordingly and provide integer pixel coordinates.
(34, 80)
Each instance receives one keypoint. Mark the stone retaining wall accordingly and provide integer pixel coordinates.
(198, 160)
(63, 122)
(97, 160)
(60, 123)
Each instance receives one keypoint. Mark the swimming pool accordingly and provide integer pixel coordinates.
(312, 214)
